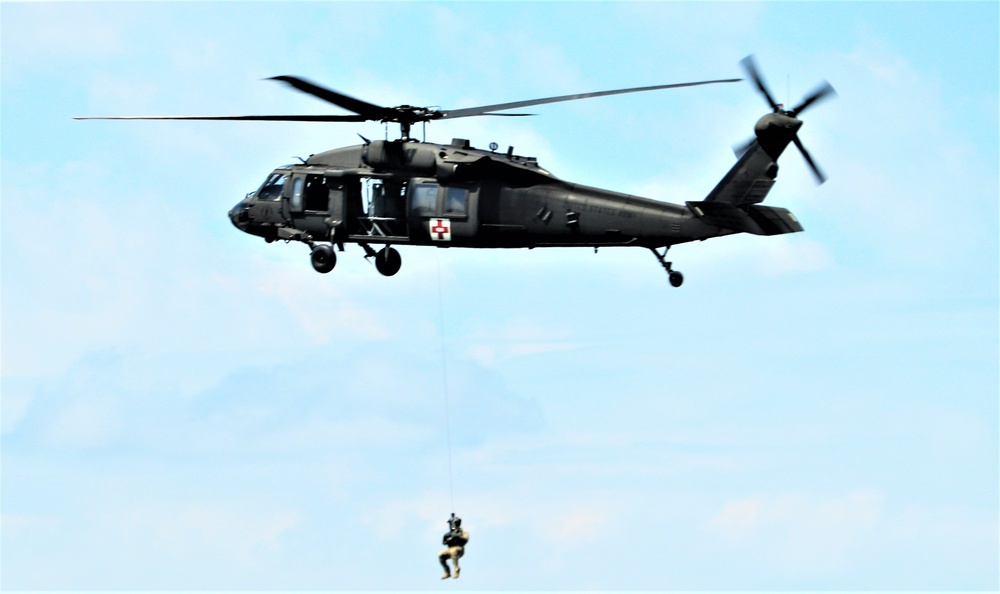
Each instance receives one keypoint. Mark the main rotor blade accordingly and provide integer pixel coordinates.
(486, 109)
(266, 118)
(820, 178)
(750, 67)
(821, 92)
(368, 110)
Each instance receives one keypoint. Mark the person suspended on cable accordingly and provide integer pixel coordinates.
(454, 540)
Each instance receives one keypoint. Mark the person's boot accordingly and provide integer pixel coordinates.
(457, 571)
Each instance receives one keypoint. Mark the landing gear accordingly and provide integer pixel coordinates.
(676, 278)
(323, 258)
(388, 261)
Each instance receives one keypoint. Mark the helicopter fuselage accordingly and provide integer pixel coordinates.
(417, 193)
(453, 196)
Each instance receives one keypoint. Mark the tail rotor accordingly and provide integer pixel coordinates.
(822, 92)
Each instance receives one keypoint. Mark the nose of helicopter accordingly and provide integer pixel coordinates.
(238, 215)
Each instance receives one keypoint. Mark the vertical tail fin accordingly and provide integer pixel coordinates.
(749, 180)
(734, 203)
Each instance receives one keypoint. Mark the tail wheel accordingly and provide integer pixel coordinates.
(323, 258)
(388, 261)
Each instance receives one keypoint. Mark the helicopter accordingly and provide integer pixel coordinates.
(399, 192)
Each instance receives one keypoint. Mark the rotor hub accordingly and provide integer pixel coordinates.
(777, 123)
(777, 129)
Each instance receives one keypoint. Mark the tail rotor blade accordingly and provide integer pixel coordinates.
(750, 67)
(821, 92)
(817, 172)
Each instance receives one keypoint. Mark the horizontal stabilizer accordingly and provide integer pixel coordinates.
(725, 215)
(755, 219)
(774, 220)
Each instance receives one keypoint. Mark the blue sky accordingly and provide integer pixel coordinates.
(187, 407)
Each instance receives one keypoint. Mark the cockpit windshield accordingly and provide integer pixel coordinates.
(273, 187)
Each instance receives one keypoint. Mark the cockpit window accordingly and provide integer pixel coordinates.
(273, 187)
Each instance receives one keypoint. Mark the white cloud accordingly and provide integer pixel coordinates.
(491, 342)
(313, 434)
(574, 527)
(323, 311)
(393, 517)
(792, 255)
(48, 34)
(234, 535)
(793, 534)
(88, 421)
(16, 526)
(17, 395)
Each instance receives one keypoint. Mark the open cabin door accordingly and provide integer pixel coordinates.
(335, 196)
(313, 203)
(381, 212)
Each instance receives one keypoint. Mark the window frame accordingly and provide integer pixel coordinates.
(441, 201)
(445, 205)
(295, 201)
(424, 210)
(272, 181)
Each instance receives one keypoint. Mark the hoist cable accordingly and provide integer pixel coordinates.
(444, 374)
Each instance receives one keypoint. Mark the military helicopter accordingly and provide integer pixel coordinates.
(405, 192)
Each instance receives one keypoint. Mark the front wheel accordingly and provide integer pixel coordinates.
(323, 258)
(676, 279)
(388, 261)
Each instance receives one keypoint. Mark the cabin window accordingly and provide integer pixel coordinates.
(456, 202)
(296, 202)
(273, 187)
(423, 200)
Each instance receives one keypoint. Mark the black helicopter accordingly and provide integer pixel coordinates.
(405, 192)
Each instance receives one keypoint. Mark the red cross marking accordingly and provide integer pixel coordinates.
(440, 227)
